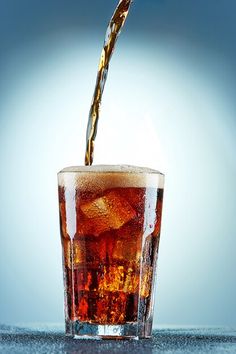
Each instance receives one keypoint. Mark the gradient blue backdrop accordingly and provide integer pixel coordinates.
(173, 76)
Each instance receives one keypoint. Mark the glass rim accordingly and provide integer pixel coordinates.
(110, 169)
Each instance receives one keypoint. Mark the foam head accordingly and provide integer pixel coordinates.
(102, 177)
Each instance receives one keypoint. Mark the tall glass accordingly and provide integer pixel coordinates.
(110, 221)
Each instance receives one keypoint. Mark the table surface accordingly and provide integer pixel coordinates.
(50, 338)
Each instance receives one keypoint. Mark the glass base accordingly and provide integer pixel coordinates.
(85, 330)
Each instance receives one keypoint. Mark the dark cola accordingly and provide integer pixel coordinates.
(110, 241)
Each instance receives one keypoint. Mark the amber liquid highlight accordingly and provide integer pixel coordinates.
(110, 260)
(115, 25)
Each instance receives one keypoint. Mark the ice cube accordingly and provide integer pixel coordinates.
(136, 198)
(67, 252)
(119, 278)
(128, 243)
(108, 212)
(131, 281)
(89, 249)
(112, 279)
(79, 252)
(146, 281)
(126, 250)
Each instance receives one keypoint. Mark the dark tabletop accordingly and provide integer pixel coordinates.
(50, 339)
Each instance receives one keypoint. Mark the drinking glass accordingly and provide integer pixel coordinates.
(110, 222)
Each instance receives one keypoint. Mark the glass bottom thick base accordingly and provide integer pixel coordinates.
(85, 330)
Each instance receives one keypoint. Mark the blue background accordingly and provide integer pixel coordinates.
(169, 104)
